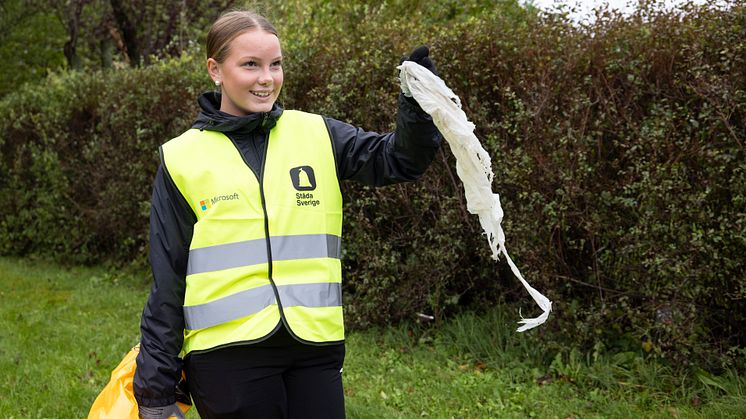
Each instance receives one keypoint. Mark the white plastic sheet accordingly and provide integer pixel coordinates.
(473, 165)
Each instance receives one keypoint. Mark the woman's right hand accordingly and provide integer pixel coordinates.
(163, 412)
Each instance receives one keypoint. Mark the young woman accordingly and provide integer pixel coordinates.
(245, 239)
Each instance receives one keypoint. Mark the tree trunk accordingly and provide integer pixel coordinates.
(129, 33)
(106, 49)
(70, 48)
(71, 54)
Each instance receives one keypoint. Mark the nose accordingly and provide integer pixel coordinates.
(266, 76)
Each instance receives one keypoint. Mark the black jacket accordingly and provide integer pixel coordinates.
(370, 158)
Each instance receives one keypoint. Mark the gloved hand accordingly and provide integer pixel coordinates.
(420, 55)
(163, 412)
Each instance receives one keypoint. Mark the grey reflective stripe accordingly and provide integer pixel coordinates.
(226, 256)
(254, 252)
(305, 246)
(324, 294)
(229, 308)
(245, 303)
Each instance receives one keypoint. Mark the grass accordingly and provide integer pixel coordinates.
(477, 367)
(63, 332)
(65, 329)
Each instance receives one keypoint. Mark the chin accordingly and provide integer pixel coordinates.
(262, 108)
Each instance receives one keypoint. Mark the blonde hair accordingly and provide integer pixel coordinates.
(229, 26)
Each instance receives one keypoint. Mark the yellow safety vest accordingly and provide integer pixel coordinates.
(263, 250)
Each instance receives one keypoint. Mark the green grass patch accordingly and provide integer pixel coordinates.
(477, 366)
(65, 329)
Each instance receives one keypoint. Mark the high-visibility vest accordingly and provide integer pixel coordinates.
(263, 250)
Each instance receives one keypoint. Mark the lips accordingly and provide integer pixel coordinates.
(262, 94)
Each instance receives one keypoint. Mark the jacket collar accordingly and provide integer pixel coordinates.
(211, 118)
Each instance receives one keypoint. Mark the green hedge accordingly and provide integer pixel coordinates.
(618, 151)
(79, 153)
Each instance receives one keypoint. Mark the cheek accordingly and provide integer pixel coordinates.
(279, 78)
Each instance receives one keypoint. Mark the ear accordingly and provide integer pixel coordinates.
(213, 68)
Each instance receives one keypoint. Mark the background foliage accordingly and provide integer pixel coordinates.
(618, 149)
(38, 36)
(66, 328)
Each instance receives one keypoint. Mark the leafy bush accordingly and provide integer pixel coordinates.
(617, 148)
(80, 152)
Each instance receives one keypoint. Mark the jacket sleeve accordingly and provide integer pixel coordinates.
(162, 325)
(382, 159)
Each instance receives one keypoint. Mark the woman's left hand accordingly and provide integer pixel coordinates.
(421, 56)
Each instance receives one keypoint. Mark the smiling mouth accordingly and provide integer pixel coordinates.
(262, 94)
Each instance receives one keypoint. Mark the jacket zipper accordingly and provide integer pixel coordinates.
(267, 238)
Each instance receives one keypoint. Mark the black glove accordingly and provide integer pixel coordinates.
(163, 412)
(420, 55)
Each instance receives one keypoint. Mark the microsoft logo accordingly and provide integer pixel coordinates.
(205, 204)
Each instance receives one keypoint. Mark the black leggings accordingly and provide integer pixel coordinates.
(278, 378)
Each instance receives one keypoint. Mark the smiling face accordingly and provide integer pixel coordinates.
(251, 75)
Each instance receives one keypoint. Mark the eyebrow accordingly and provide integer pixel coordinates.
(251, 57)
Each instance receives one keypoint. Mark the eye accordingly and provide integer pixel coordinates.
(277, 63)
(250, 63)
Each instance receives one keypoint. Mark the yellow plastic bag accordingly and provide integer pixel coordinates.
(117, 399)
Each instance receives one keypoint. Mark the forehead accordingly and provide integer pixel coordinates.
(255, 43)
